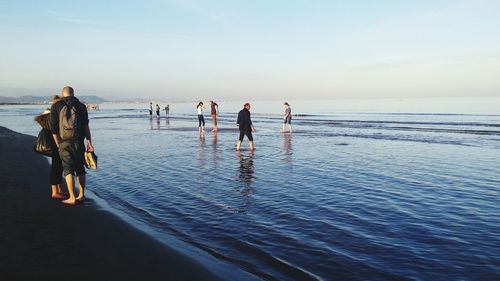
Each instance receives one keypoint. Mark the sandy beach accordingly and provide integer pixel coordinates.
(42, 239)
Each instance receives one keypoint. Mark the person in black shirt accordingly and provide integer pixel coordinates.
(71, 149)
(246, 127)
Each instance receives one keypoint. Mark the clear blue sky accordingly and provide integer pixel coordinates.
(236, 49)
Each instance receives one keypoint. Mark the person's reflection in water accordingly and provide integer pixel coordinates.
(151, 123)
(215, 150)
(201, 152)
(167, 122)
(287, 147)
(158, 123)
(246, 169)
(215, 139)
(214, 143)
(246, 176)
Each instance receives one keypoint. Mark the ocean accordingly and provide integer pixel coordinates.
(405, 189)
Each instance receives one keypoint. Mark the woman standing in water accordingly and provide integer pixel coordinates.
(288, 118)
(56, 168)
(201, 119)
(214, 112)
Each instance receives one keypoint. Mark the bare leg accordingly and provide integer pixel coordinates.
(70, 182)
(81, 185)
(283, 127)
(251, 145)
(214, 123)
(290, 126)
(56, 191)
(238, 145)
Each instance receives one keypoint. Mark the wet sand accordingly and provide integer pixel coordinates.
(42, 239)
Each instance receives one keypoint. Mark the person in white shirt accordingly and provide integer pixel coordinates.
(201, 119)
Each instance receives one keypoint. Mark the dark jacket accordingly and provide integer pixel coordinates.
(244, 121)
(82, 115)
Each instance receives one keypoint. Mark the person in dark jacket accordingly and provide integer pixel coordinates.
(56, 169)
(71, 150)
(246, 127)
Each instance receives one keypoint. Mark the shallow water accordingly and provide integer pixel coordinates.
(361, 194)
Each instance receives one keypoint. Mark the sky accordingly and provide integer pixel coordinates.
(258, 49)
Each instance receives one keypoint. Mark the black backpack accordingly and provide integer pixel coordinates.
(68, 121)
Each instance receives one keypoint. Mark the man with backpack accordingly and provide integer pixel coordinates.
(70, 127)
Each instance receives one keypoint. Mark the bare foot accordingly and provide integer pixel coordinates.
(80, 199)
(58, 196)
(69, 202)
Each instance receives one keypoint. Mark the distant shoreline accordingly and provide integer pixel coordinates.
(13, 103)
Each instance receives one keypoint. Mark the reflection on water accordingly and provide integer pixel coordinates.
(152, 124)
(246, 169)
(287, 147)
(214, 140)
(201, 152)
(246, 176)
(215, 150)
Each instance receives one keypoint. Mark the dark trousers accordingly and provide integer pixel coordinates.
(56, 168)
(248, 133)
(201, 120)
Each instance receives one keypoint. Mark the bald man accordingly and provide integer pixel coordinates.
(70, 127)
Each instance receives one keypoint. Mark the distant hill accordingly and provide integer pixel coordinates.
(45, 100)
(92, 99)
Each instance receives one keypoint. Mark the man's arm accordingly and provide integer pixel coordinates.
(250, 122)
(88, 136)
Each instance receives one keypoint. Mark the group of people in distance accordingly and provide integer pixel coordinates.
(67, 124)
(167, 110)
(244, 121)
(92, 106)
(214, 113)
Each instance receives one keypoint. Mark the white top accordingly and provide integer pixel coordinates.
(200, 110)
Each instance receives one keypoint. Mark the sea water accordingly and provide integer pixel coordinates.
(361, 190)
